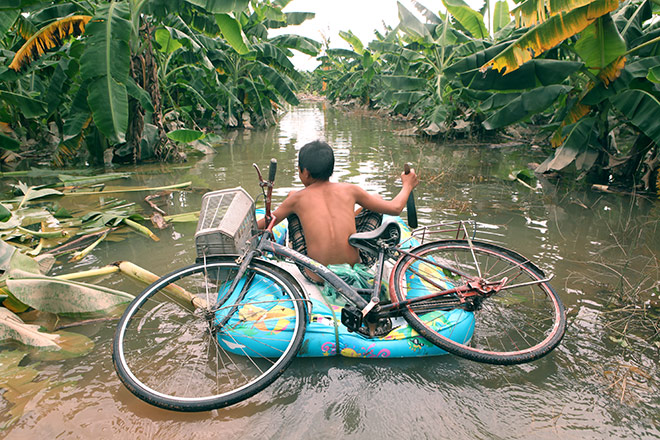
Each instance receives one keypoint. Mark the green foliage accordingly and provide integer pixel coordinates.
(581, 69)
(140, 70)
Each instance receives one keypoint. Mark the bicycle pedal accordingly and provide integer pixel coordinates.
(351, 318)
(376, 329)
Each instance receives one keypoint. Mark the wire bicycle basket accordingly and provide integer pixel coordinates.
(226, 223)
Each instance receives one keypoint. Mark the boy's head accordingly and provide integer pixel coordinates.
(318, 159)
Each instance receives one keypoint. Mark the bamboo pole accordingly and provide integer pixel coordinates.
(106, 270)
(136, 272)
(115, 191)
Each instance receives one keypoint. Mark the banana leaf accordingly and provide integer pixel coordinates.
(400, 82)
(642, 109)
(576, 148)
(220, 6)
(632, 72)
(548, 34)
(105, 63)
(289, 19)
(91, 180)
(600, 44)
(534, 73)
(13, 328)
(468, 18)
(185, 135)
(297, 42)
(501, 15)
(526, 105)
(232, 32)
(29, 107)
(412, 26)
(64, 297)
(167, 43)
(5, 213)
(353, 40)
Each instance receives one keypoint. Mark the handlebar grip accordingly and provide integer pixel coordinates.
(272, 170)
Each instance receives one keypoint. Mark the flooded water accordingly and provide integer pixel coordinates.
(601, 382)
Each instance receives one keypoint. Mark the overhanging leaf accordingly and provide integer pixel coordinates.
(221, 6)
(49, 37)
(470, 19)
(577, 142)
(600, 43)
(9, 143)
(29, 107)
(642, 109)
(548, 34)
(105, 62)
(297, 42)
(527, 104)
(501, 15)
(231, 30)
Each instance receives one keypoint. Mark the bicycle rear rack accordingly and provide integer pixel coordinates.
(454, 229)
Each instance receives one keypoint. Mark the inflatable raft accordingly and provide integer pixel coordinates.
(325, 334)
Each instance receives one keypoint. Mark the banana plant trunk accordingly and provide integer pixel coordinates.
(144, 70)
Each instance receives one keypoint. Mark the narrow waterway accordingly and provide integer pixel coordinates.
(601, 382)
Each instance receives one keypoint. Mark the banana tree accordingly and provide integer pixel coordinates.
(98, 76)
(616, 83)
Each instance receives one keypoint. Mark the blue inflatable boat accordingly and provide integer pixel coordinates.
(325, 334)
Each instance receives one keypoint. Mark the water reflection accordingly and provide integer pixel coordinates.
(600, 383)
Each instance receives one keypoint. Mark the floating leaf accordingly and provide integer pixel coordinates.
(185, 217)
(69, 298)
(6, 252)
(13, 328)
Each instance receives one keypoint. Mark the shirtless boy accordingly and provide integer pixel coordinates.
(326, 209)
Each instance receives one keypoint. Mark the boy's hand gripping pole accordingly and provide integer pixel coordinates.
(410, 204)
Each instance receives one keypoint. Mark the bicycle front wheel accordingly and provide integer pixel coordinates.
(172, 350)
(520, 323)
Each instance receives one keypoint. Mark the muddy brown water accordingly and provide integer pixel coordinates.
(602, 381)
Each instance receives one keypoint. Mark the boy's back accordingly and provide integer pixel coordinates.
(326, 212)
(326, 209)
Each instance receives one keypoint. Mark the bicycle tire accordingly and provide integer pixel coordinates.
(511, 327)
(167, 354)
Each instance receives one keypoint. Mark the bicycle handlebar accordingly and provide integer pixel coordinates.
(272, 170)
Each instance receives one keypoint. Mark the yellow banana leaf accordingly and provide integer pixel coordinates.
(49, 37)
(611, 72)
(533, 12)
(548, 34)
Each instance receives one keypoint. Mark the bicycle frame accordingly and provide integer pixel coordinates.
(468, 295)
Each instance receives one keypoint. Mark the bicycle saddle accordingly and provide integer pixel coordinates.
(389, 233)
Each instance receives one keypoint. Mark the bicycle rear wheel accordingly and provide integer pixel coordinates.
(179, 356)
(512, 326)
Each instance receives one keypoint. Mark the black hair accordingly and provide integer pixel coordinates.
(318, 158)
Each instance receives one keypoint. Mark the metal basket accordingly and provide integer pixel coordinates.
(226, 223)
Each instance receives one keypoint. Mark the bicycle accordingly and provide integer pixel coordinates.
(219, 331)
